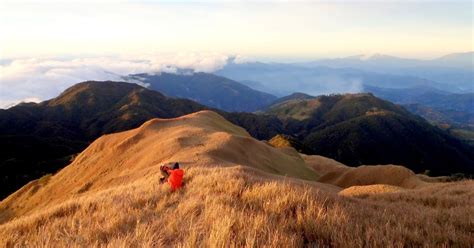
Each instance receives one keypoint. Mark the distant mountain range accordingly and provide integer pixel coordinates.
(208, 89)
(355, 129)
(284, 79)
(386, 62)
(452, 73)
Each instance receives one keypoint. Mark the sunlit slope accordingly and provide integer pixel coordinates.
(244, 207)
(238, 192)
(368, 175)
(196, 140)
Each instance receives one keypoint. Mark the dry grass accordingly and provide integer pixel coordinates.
(360, 191)
(232, 207)
(201, 139)
(374, 174)
(110, 197)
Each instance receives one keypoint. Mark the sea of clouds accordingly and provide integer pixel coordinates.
(38, 79)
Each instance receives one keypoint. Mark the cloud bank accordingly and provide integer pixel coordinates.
(38, 79)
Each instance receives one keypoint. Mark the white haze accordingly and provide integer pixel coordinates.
(38, 79)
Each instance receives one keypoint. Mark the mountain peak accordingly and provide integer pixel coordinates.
(92, 91)
(465, 60)
(375, 57)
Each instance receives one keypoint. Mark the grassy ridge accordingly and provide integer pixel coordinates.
(238, 206)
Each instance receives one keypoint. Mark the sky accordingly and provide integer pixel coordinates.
(47, 46)
(262, 29)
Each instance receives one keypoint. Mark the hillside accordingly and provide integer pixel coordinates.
(52, 132)
(426, 96)
(208, 89)
(234, 191)
(440, 117)
(294, 96)
(331, 109)
(199, 139)
(358, 129)
(451, 112)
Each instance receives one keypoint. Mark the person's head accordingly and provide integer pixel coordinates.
(176, 166)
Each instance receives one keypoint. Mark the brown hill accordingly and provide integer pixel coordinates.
(367, 180)
(360, 191)
(54, 131)
(323, 165)
(200, 139)
(110, 196)
(369, 175)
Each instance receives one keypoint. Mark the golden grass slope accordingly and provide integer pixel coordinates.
(359, 191)
(238, 207)
(323, 165)
(238, 192)
(366, 180)
(375, 174)
(200, 139)
(362, 180)
(279, 141)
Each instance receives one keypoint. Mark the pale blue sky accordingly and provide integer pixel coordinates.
(299, 30)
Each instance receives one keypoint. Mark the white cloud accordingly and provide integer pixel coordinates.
(43, 78)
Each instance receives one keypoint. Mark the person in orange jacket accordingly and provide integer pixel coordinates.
(173, 176)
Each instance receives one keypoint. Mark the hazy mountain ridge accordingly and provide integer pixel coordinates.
(208, 89)
(382, 61)
(284, 79)
(452, 73)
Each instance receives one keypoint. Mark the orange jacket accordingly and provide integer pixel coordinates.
(176, 178)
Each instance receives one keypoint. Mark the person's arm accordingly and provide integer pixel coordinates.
(165, 168)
